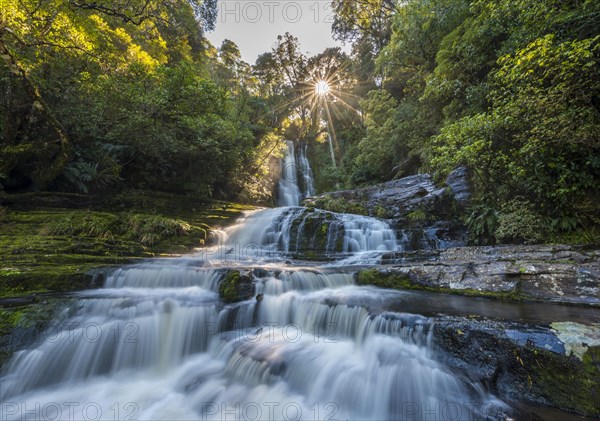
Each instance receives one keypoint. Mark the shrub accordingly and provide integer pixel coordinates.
(519, 223)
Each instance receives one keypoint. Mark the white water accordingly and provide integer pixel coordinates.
(306, 171)
(290, 193)
(156, 343)
(164, 350)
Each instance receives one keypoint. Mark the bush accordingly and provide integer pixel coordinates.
(519, 223)
(150, 230)
(100, 226)
(482, 223)
(146, 229)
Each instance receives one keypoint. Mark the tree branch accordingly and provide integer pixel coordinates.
(136, 18)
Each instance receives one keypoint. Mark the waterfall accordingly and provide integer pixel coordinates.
(290, 192)
(157, 342)
(306, 171)
(299, 230)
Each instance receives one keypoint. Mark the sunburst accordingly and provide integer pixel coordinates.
(322, 87)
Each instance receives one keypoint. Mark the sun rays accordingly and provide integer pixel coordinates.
(322, 87)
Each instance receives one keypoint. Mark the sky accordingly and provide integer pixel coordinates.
(254, 25)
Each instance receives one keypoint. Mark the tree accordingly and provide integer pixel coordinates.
(363, 20)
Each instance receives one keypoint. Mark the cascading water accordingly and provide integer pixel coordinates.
(291, 192)
(158, 343)
(306, 171)
(299, 231)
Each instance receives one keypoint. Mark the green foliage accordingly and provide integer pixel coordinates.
(140, 97)
(518, 222)
(508, 89)
(147, 229)
(150, 230)
(482, 222)
(376, 155)
(100, 226)
(416, 216)
(541, 138)
(53, 248)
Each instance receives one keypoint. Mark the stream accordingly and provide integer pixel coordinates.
(158, 343)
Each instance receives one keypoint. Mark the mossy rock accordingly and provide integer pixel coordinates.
(22, 325)
(524, 372)
(377, 278)
(564, 382)
(236, 286)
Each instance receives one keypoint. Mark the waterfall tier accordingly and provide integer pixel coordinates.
(305, 342)
(296, 176)
(314, 234)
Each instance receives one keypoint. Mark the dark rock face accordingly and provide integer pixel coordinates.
(458, 181)
(419, 211)
(523, 362)
(563, 274)
(399, 199)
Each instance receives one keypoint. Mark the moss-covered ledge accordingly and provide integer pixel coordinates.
(50, 242)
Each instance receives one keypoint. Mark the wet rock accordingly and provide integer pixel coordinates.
(237, 286)
(260, 272)
(522, 362)
(410, 198)
(23, 322)
(564, 274)
(424, 215)
(458, 181)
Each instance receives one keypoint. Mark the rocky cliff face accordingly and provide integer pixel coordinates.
(407, 199)
(424, 215)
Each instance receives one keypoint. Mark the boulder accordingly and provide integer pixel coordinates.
(236, 286)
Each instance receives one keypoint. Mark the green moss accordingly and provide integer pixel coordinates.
(21, 325)
(342, 205)
(381, 212)
(235, 287)
(321, 236)
(417, 216)
(228, 287)
(568, 383)
(47, 248)
(376, 278)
